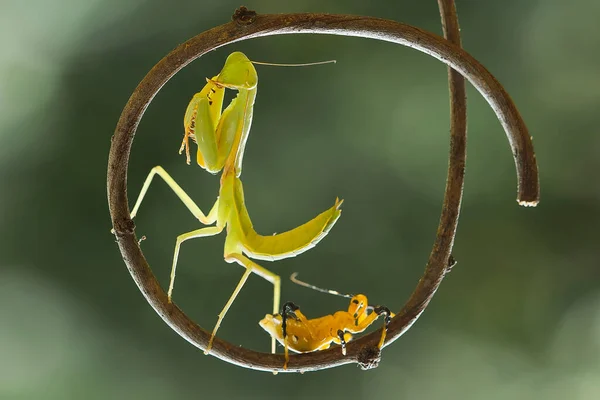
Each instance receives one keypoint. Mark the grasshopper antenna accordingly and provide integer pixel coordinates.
(294, 278)
(294, 65)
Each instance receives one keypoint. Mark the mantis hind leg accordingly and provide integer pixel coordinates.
(265, 274)
(251, 267)
(223, 312)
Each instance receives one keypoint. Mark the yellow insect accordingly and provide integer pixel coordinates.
(294, 331)
(221, 137)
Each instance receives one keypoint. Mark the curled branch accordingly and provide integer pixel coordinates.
(247, 25)
(440, 260)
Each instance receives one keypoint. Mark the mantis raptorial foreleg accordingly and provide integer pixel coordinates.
(223, 312)
(183, 196)
(198, 233)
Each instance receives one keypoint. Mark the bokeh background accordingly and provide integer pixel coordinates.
(519, 316)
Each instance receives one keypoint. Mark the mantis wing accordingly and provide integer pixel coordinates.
(286, 244)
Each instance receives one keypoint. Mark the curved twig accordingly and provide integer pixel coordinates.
(440, 260)
(248, 25)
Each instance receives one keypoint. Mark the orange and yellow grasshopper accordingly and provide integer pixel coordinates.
(294, 331)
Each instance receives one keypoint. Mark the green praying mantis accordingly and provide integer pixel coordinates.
(221, 137)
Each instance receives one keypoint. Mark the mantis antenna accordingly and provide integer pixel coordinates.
(294, 278)
(294, 65)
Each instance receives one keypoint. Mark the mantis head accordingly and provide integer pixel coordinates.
(238, 73)
(220, 133)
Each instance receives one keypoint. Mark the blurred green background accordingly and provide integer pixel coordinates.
(518, 318)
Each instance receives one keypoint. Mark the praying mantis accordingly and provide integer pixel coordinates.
(221, 137)
(294, 331)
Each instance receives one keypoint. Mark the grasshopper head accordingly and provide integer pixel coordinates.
(272, 324)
